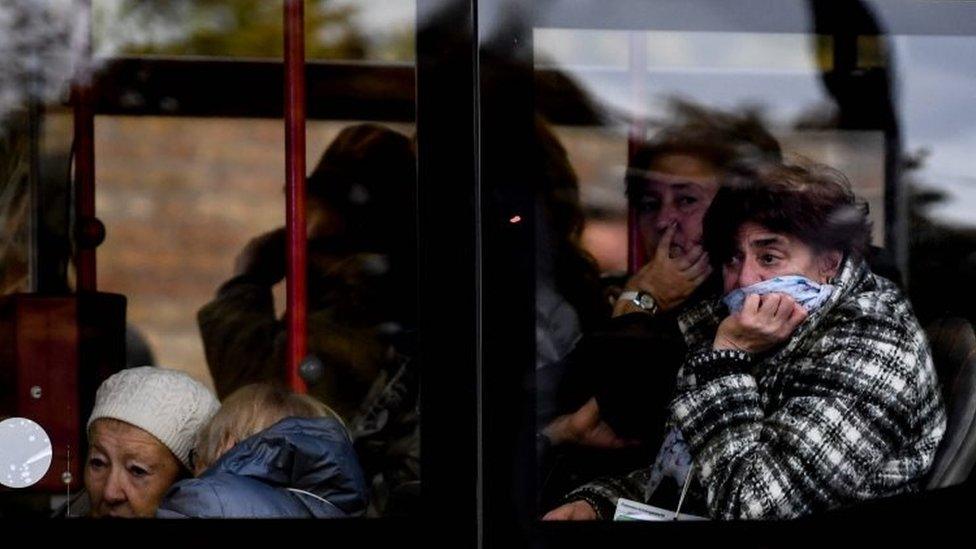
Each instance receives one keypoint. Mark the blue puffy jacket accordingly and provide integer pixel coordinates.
(297, 468)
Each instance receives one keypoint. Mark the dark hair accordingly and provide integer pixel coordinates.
(368, 176)
(813, 203)
(723, 139)
(577, 276)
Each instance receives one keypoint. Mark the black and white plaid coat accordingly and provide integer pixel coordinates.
(848, 410)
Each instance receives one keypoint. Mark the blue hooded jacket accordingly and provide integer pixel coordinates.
(297, 468)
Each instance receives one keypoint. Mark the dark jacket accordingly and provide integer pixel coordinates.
(630, 365)
(297, 468)
(245, 341)
(386, 432)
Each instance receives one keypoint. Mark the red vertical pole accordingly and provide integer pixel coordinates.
(84, 137)
(294, 26)
(637, 60)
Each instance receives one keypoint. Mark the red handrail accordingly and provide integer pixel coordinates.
(294, 29)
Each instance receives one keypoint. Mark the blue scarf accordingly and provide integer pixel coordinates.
(804, 291)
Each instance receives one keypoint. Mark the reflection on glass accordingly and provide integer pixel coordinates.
(14, 205)
(189, 187)
(183, 197)
(378, 30)
(889, 113)
(775, 72)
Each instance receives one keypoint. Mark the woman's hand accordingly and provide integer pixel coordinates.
(577, 510)
(585, 428)
(764, 322)
(670, 280)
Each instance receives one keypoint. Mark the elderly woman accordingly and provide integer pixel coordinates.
(271, 453)
(140, 434)
(809, 386)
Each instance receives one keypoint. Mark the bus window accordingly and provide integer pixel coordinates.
(189, 170)
(625, 121)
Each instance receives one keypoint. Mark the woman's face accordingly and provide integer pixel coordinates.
(128, 470)
(678, 189)
(762, 254)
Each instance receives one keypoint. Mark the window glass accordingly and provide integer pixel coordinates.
(377, 30)
(636, 104)
(189, 167)
(15, 207)
(778, 74)
(183, 199)
(939, 131)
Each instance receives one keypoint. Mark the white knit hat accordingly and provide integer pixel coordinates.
(168, 404)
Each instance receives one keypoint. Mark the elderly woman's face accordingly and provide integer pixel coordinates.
(128, 470)
(762, 254)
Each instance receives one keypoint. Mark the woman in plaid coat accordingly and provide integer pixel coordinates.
(817, 390)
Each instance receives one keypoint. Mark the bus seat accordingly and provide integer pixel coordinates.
(953, 346)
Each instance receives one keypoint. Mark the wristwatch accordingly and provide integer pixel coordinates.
(642, 300)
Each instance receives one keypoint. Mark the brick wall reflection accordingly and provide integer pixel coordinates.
(179, 198)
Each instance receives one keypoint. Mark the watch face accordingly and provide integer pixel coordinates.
(646, 301)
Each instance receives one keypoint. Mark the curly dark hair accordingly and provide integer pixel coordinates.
(811, 202)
